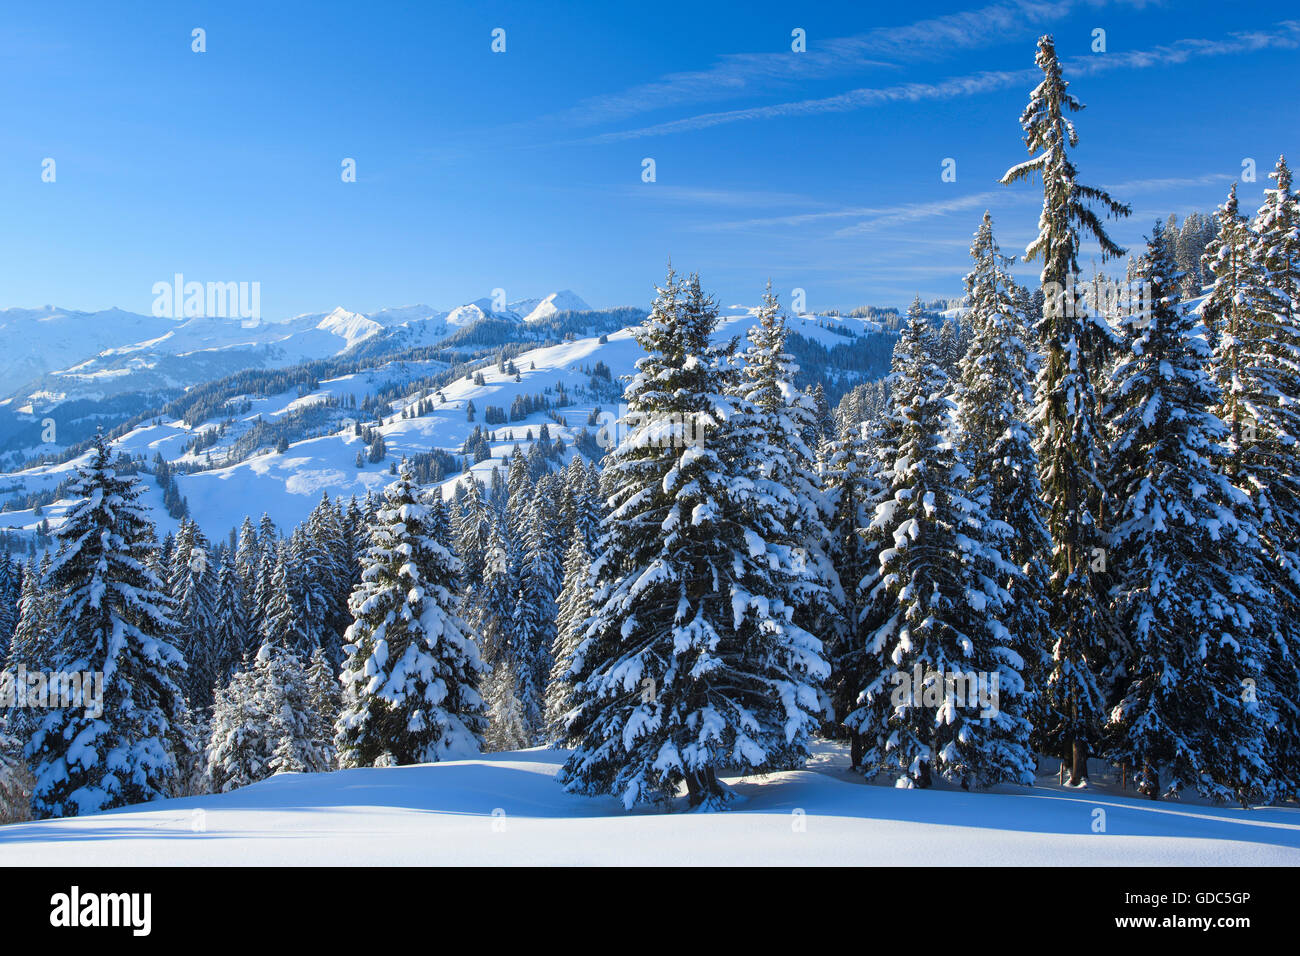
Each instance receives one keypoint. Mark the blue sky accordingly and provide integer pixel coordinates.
(522, 170)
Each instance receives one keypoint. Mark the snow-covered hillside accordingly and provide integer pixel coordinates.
(562, 301)
(506, 809)
(287, 485)
(55, 354)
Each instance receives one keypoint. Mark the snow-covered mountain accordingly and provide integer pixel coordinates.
(82, 369)
(533, 310)
(38, 341)
(61, 354)
(287, 484)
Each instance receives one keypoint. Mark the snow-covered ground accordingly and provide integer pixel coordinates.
(506, 809)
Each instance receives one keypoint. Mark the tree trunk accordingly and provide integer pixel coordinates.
(923, 775)
(693, 796)
(702, 785)
(1079, 762)
(712, 789)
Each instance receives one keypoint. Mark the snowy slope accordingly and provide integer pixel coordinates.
(57, 354)
(563, 301)
(42, 340)
(506, 809)
(287, 486)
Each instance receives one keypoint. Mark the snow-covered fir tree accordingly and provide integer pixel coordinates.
(10, 594)
(693, 662)
(572, 613)
(994, 398)
(938, 639)
(823, 424)
(268, 720)
(852, 491)
(324, 703)
(1069, 446)
(231, 636)
(248, 557)
(533, 621)
(412, 668)
(286, 616)
(112, 618)
(15, 777)
(1266, 461)
(1233, 311)
(237, 751)
(191, 584)
(265, 586)
(472, 529)
(787, 506)
(1185, 563)
(336, 570)
(293, 727)
(508, 727)
(36, 607)
(489, 607)
(310, 588)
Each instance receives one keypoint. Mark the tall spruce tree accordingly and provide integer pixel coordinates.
(533, 621)
(192, 585)
(572, 613)
(945, 694)
(1238, 291)
(852, 490)
(324, 702)
(508, 728)
(472, 527)
(285, 620)
(411, 674)
(112, 619)
(231, 637)
(36, 606)
(293, 727)
(1186, 564)
(1070, 448)
(10, 592)
(788, 506)
(248, 557)
(994, 399)
(1266, 464)
(237, 750)
(693, 662)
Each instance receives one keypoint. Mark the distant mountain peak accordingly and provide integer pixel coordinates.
(566, 300)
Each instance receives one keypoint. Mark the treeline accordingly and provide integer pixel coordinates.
(240, 642)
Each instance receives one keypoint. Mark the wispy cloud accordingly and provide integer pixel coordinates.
(696, 196)
(1172, 182)
(875, 217)
(1285, 35)
(794, 219)
(748, 74)
(840, 103)
(911, 212)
